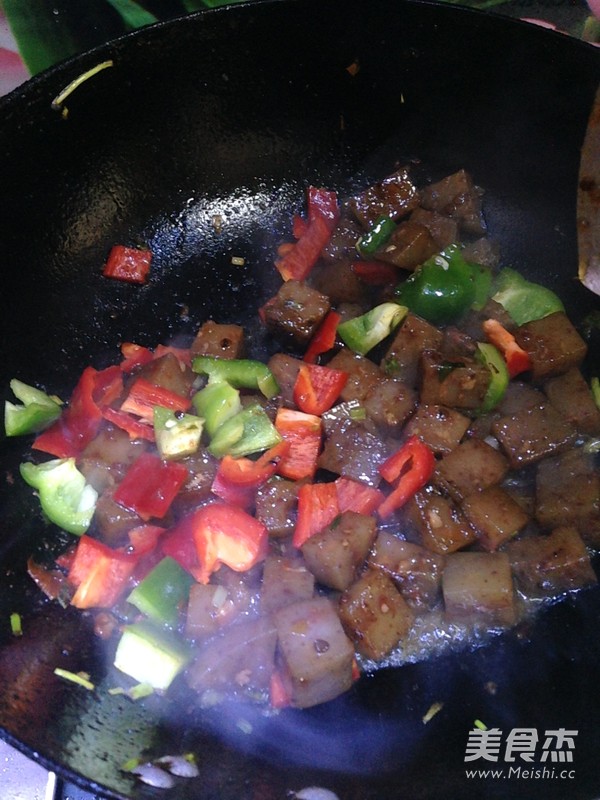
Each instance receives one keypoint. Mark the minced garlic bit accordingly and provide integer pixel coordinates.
(217, 222)
(238, 261)
(434, 709)
(57, 103)
(80, 678)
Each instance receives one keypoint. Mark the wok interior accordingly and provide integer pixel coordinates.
(234, 113)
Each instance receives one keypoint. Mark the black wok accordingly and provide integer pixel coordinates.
(233, 113)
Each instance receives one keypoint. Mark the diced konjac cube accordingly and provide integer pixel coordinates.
(389, 403)
(416, 570)
(202, 468)
(519, 397)
(443, 229)
(462, 384)
(495, 515)
(410, 245)
(295, 313)
(472, 321)
(221, 341)
(440, 427)
(482, 251)
(571, 396)
(472, 466)
(533, 434)
(441, 526)
(477, 585)
(342, 242)
(457, 196)
(553, 345)
(316, 653)
(568, 493)
(395, 196)
(285, 580)
(113, 521)
(334, 554)
(352, 450)
(363, 374)
(338, 282)
(546, 566)
(105, 459)
(170, 373)
(212, 607)
(404, 354)
(242, 657)
(375, 615)
(276, 506)
(285, 370)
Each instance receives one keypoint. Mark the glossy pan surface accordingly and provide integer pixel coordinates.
(234, 113)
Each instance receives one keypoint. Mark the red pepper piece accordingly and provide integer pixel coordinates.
(144, 395)
(226, 534)
(280, 694)
(134, 355)
(237, 479)
(150, 486)
(134, 427)
(410, 468)
(317, 388)
(144, 538)
(324, 338)
(355, 496)
(183, 354)
(375, 273)
(179, 544)
(323, 214)
(99, 573)
(517, 359)
(317, 507)
(303, 433)
(130, 264)
(77, 426)
(108, 386)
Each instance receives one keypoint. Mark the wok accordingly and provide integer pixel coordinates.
(235, 112)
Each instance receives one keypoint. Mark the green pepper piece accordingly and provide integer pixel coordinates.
(376, 237)
(522, 299)
(483, 281)
(249, 431)
(151, 655)
(242, 373)
(216, 403)
(493, 360)
(38, 410)
(162, 592)
(65, 497)
(442, 288)
(361, 334)
(595, 387)
(177, 434)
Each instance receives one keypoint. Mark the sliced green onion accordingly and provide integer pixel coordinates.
(15, 624)
(80, 678)
(57, 103)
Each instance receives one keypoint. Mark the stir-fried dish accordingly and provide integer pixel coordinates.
(413, 466)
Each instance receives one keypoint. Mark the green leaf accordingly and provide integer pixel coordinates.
(48, 31)
(132, 13)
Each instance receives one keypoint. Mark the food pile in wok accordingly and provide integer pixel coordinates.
(413, 466)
